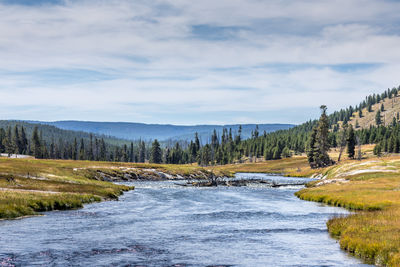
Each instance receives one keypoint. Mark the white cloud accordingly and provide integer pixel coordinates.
(155, 64)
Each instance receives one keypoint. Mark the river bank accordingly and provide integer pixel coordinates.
(371, 187)
(30, 186)
(164, 224)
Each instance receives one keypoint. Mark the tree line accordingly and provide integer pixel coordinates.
(313, 137)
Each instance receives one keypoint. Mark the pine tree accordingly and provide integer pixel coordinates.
(255, 134)
(23, 141)
(142, 152)
(82, 150)
(238, 137)
(75, 150)
(322, 143)
(103, 150)
(351, 142)
(36, 144)
(377, 150)
(17, 141)
(197, 142)
(2, 140)
(378, 119)
(156, 154)
(131, 154)
(90, 151)
(382, 108)
(311, 149)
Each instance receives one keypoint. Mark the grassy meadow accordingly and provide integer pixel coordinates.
(371, 187)
(29, 186)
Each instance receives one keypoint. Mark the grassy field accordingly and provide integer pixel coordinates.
(29, 186)
(372, 188)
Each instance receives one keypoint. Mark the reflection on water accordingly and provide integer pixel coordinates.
(164, 224)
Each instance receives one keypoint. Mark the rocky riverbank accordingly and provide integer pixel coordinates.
(123, 174)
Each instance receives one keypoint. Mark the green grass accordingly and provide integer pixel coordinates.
(14, 204)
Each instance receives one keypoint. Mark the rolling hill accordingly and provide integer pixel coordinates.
(49, 132)
(163, 132)
(391, 108)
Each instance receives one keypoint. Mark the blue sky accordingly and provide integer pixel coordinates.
(193, 62)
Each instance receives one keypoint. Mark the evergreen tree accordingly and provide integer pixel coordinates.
(238, 137)
(197, 142)
(322, 143)
(103, 150)
(142, 152)
(311, 147)
(36, 144)
(378, 119)
(125, 156)
(156, 154)
(131, 154)
(82, 150)
(17, 141)
(382, 108)
(23, 141)
(90, 151)
(377, 150)
(351, 143)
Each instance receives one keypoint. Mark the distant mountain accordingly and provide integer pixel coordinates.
(163, 132)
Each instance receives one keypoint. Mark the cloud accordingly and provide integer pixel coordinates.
(196, 62)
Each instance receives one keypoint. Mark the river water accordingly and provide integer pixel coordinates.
(164, 224)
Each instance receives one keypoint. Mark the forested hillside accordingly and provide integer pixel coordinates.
(44, 141)
(49, 133)
(162, 132)
(351, 125)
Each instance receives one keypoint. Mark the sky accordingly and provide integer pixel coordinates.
(194, 62)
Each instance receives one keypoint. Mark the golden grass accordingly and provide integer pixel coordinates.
(294, 166)
(28, 186)
(371, 187)
(14, 204)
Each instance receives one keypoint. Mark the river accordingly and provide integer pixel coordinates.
(164, 224)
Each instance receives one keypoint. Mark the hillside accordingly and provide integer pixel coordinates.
(162, 132)
(52, 133)
(391, 108)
